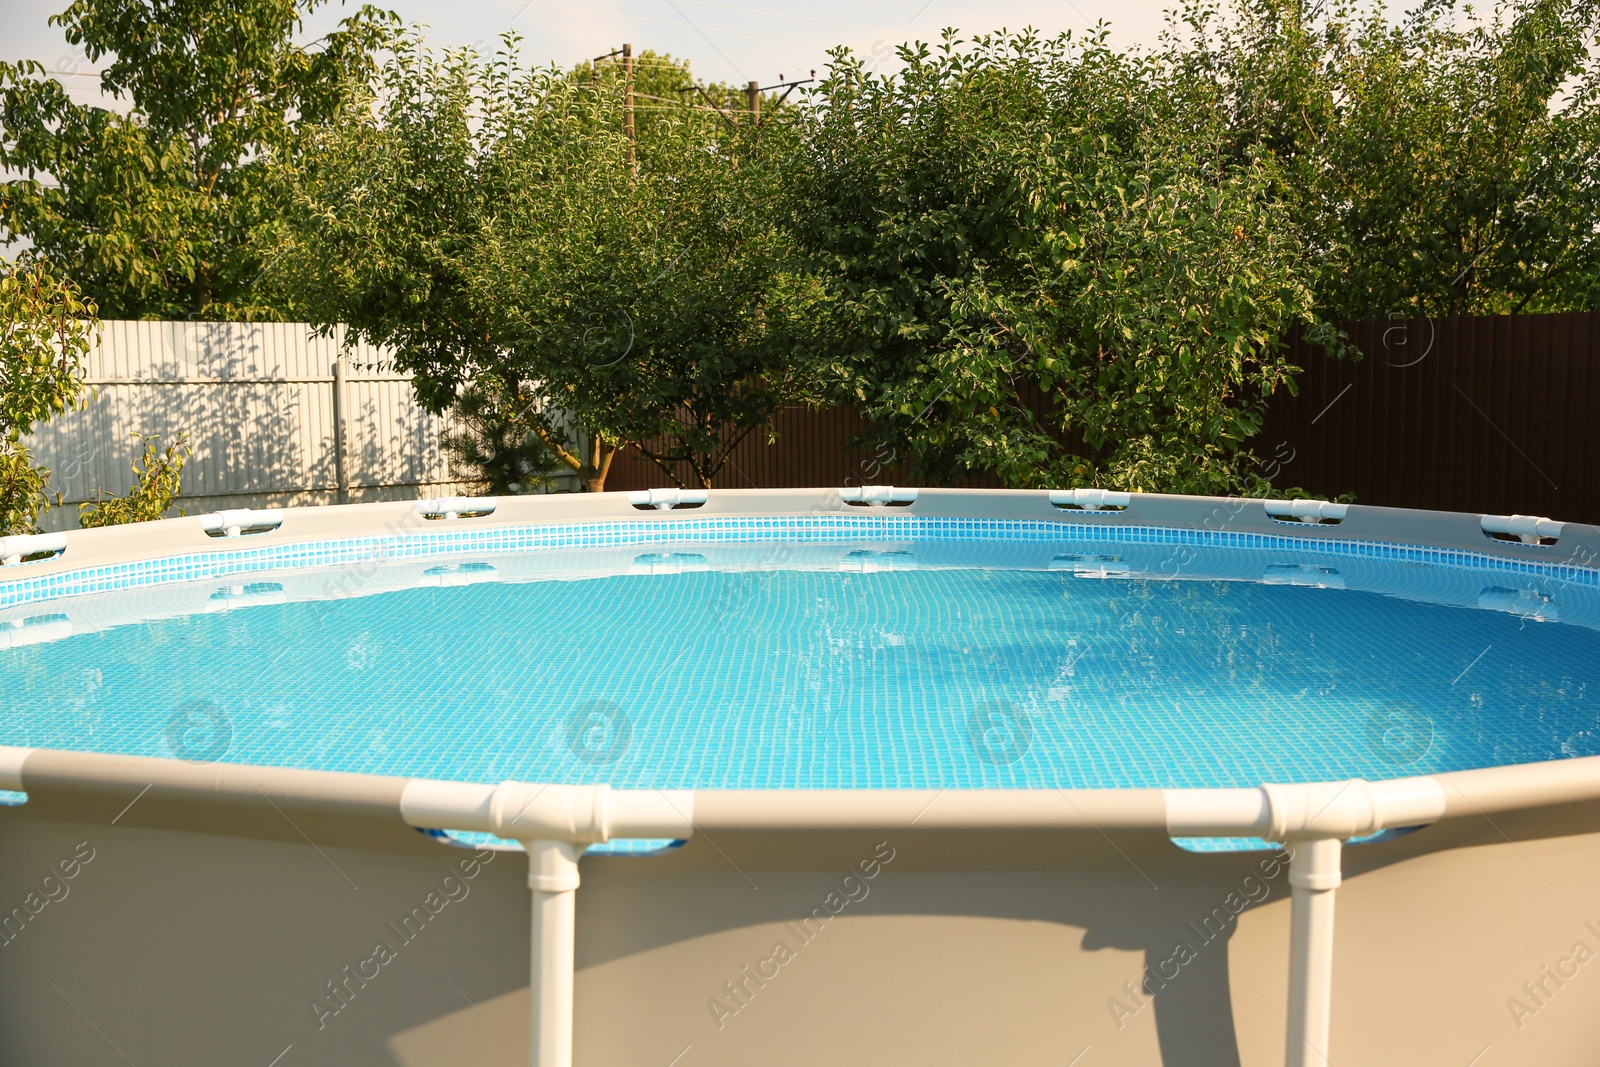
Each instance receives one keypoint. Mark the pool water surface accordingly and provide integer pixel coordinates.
(876, 670)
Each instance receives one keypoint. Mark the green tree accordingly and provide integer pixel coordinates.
(46, 327)
(164, 210)
(493, 446)
(498, 230)
(1443, 164)
(1041, 263)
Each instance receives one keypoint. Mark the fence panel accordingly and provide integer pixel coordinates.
(258, 403)
(811, 449)
(1476, 413)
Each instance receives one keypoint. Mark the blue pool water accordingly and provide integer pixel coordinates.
(862, 664)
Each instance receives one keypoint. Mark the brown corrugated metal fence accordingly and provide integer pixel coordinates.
(1488, 414)
(811, 448)
(1485, 414)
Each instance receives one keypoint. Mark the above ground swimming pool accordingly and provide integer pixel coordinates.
(960, 655)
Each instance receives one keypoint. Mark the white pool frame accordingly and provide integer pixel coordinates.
(555, 823)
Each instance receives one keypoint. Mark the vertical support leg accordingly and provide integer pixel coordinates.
(553, 877)
(1314, 874)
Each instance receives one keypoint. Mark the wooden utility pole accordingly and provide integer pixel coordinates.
(627, 106)
(752, 96)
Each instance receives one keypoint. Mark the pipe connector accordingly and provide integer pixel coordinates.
(1529, 529)
(1317, 864)
(524, 811)
(667, 499)
(234, 521)
(13, 549)
(1305, 810)
(553, 865)
(454, 507)
(1089, 499)
(877, 496)
(1321, 809)
(1350, 809)
(11, 761)
(567, 813)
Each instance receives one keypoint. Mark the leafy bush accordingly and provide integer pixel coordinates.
(45, 330)
(156, 483)
(493, 445)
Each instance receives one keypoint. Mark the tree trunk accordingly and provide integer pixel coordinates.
(599, 465)
(592, 471)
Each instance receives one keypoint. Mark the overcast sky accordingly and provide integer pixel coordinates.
(724, 40)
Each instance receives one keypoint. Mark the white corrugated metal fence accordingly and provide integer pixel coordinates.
(265, 411)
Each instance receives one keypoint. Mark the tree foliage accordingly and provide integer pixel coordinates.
(1040, 262)
(493, 446)
(164, 210)
(46, 330)
(499, 231)
(157, 479)
(46, 327)
(1443, 164)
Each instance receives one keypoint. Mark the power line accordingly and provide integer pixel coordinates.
(787, 87)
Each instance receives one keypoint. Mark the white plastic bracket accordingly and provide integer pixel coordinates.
(1310, 512)
(1529, 529)
(455, 507)
(1090, 499)
(13, 550)
(235, 521)
(877, 496)
(667, 499)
